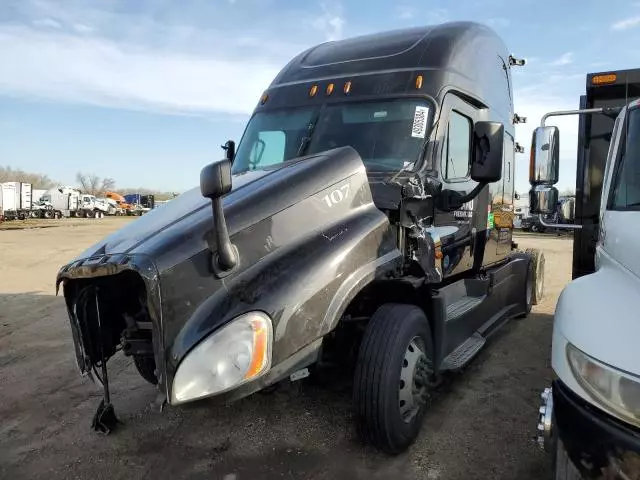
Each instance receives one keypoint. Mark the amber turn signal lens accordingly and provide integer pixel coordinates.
(604, 79)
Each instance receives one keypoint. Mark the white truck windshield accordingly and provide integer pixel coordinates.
(388, 135)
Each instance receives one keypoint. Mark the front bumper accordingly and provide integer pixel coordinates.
(598, 445)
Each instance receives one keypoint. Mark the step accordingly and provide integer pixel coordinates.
(465, 352)
(462, 306)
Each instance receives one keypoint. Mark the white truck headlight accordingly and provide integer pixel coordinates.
(237, 353)
(615, 390)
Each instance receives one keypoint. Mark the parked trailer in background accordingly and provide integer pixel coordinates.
(16, 200)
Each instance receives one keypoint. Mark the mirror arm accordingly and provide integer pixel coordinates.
(452, 200)
(606, 111)
(227, 256)
(568, 226)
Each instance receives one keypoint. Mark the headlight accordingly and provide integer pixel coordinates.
(237, 353)
(616, 390)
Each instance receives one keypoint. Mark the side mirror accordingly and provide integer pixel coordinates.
(488, 141)
(543, 200)
(545, 156)
(215, 179)
(517, 196)
(230, 150)
(543, 170)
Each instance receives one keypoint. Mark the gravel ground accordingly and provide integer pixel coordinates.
(481, 423)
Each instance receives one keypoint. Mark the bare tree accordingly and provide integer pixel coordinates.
(37, 180)
(93, 184)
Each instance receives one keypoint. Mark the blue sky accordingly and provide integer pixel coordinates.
(146, 91)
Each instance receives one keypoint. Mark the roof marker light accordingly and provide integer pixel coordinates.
(330, 89)
(347, 87)
(419, 82)
(602, 79)
(264, 98)
(313, 91)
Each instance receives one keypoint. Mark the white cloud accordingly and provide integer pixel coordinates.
(134, 61)
(46, 23)
(82, 28)
(331, 22)
(564, 59)
(626, 23)
(405, 12)
(64, 67)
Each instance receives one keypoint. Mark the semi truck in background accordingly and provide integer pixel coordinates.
(71, 202)
(140, 203)
(363, 224)
(590, 415)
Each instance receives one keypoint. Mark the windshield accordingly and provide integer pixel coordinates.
(626, 188)
(388, 135)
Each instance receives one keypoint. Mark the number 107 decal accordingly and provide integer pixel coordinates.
(336, 196)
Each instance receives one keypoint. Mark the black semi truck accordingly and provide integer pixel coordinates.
(365, 219)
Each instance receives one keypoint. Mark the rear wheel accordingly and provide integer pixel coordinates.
(146, 367)
(392, 377)
(537, 266)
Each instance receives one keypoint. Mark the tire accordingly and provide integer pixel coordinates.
(382, 372)
(48, 214)
(146, 367)
(529, 288)
(58, 215)
(537, 263)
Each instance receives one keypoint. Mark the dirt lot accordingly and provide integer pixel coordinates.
(481, 424)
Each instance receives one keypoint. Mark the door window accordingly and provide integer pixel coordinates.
(457, 147)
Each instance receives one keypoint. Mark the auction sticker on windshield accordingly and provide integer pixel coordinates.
(419, 128)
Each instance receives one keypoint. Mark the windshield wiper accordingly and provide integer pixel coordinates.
(306, 140)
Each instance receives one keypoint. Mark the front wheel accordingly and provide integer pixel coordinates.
(392, 377)
(146, 367)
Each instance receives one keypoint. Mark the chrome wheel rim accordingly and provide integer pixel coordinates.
(414, 379)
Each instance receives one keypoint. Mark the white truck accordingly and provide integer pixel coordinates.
(590, 416)
(16, 200)
(70, 202)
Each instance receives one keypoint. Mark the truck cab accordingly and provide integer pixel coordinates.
(590, 417)
(363, 221)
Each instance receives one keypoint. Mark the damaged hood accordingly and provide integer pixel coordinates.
(156, 221)
(184, 226)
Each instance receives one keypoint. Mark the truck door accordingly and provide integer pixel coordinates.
(458, 230)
